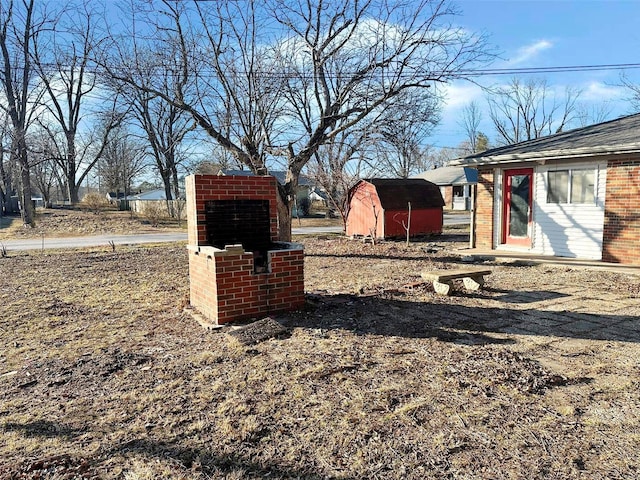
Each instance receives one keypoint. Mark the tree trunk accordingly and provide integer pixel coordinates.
(176, 187)
(27, 211)
(5, 189)
(284, 202)
(73, 191)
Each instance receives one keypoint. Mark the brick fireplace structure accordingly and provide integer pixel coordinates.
(238, 270)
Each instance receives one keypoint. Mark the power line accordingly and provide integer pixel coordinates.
(556, 69)
(469, 73)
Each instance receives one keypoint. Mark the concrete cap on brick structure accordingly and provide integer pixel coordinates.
(216, 252)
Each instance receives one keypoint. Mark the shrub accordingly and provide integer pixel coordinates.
(94, 201)
(154, 212)
(178, 209)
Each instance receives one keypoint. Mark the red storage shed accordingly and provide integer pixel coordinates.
(380, 207)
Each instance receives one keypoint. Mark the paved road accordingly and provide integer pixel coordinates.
(456, 219)
(95, 241)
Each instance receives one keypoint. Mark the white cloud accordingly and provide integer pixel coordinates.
(530, 51)
(457, 96)
(601, 92)
(460, 94)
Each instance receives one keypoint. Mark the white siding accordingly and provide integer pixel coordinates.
(568, 230)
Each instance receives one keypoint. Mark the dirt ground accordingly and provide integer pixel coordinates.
(103, 375)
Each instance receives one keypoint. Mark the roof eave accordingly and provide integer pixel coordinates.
(549, 155)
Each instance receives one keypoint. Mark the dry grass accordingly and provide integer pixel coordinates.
(77, 223)
(104, 376)
(316, 222)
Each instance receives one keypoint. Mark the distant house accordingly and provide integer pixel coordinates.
(380, 208)
(150, 195)
(316, 194)
(455, 184)
(572, 194)
(114, 197)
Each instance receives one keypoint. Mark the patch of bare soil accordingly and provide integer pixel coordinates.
(60, 222)
(102, 375)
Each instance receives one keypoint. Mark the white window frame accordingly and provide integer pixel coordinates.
(570, 172)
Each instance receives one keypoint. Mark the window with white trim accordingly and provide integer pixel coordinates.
(571, 186)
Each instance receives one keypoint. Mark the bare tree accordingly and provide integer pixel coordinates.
(44, 169)
(338, 165)
(633, 89)
(399, 133)
(121, 162)
(64, 64)
(7, 187)
(590, 114)
(165, 127)
(20, 25)
(440, 157)
(470, 123)
(164, 123)
(331, 68)
(352, 60)
(526, 110)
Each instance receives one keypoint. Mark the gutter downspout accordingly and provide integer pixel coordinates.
(472, 217)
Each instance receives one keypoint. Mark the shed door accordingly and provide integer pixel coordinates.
(518, 198)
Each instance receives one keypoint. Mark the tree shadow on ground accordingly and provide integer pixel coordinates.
(6, 222)
(208, 461)
(473, 325)
(43, 428)
(203, 460)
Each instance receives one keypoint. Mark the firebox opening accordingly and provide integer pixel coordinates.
(243, 222)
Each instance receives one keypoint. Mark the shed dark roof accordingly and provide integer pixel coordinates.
(618, 136)
(395, 193)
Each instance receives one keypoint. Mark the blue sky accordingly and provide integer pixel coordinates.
(539, 33)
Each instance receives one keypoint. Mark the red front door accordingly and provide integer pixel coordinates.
(517, 203)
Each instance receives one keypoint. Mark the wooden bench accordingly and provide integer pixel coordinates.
(442, 280)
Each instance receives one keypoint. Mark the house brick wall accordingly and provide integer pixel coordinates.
(621, 239)
(224, 284)
(484, 228)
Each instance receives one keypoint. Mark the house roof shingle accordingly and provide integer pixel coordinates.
(618, 136)
(395, 193)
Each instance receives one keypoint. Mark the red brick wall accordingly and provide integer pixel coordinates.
(621, 240)
(203, 293)
(484, 227)
(224, 287)
(223, 283)
(200, 188)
